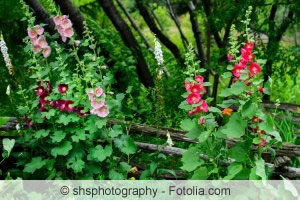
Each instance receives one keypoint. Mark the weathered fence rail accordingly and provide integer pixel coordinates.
(286, 150)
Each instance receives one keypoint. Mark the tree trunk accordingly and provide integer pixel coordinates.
(151, 23)
(41, 14)
(129, 40)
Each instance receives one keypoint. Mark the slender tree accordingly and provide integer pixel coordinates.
(129, 40)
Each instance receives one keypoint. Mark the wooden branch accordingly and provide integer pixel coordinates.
(294, 108)
(134, 24)
(142, 69)
(163, 39)
(175, 19)
(290, 172)
(157, 20)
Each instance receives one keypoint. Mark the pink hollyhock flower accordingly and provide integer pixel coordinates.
(63, 88)
(203, 107)
(68, 32)
(46, 52)
(237, 70)
(202, 121)
(97, 104)
(187, 86)
(39, 30)
(37, 48)
(57, 20)
(40, 90)
(249, 46)
(66, 23)
(254, 68)
(261, 89)
(195, 88)
(98, 92)
(34, 41)
(193, 98)
(41, 41)
(63, 38)
(77, 43)
(60, 30)
(199, 78)
(191, 112)
(229, 57)
(32, 33)
(91, 95)
(101, 112)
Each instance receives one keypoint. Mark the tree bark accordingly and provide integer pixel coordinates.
(41, 14)
(151, 23)
(130, 41)
(175, 19)
(134, 24)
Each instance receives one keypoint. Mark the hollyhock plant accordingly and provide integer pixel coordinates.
(41, 41)
(46, 52)
(195, 89)
(101, 112)
(187, 86)
(254, 68)
(237, 70)
(199, 78)
(97, 104)
(64, 27)
(40, 90)
(63, 88)
(249, 46)
(203, 107)
(97, 100)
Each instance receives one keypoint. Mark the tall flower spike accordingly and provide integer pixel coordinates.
(7, 61)
(158, 52)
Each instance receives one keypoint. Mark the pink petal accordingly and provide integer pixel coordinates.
(39, 29)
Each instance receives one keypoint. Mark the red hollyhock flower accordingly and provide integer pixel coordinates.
(243, 63)
(193, 98)
(55, 104)
(255, 129)
(187, 86)
(248, 93)
(248, 83)
(43, 100)
(49, 86)
(249, 46)
(68, 106)
(62, 105)
(191, 112)
(262, 131)
(247, 56)
(28, 121)
(261, 89)
(202, 121)
(40, 90)
(63, 88)
(254, 68)
(195, 88)
(199, 78)
(78, 111)
(42, 108)
(262, 142)
(203, 107)
(237, 70)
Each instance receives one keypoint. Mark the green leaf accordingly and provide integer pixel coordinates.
(126, 144)
(227, 103)
(226, 92)
(116, 131)
(3, 120)
(203, 136)
(200, 174)
(62, 150)
(185, 106)
(252, 175)
(207, 84)
(49, 114)
(260, 169)
(23, 110)
(191, 159)
(35, 163)
(77, 164)
(249, 109)
(227, 75)
(256, 140)
(240, 151)
(41, 133)
(276, 135)
(99, 154)
(114, 175)
(267, 125)
(233, 170)
(187, 124)
(215, 110)
(194, 132)
(235, 127)
(63, 119)
(79, 135)
(58, 136)
(238, 88)
(8, 144)
(101, 122)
